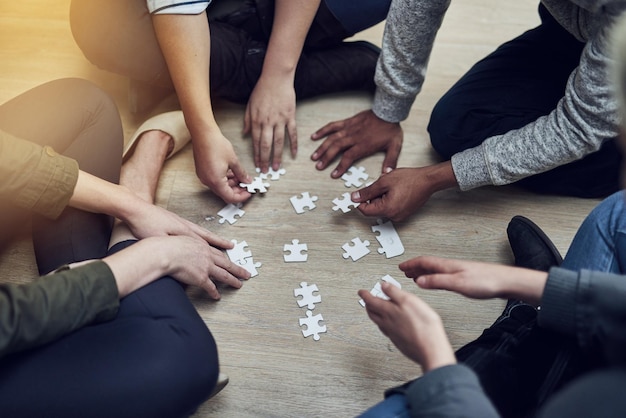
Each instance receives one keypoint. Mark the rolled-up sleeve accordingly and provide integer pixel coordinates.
(177, 7)
(34, 177)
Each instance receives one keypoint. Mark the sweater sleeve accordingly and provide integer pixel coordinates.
(410, 30)
(39, 312)
(583, 119)
(35, 178)
(589, 306)
(449, 391)
(177, 7)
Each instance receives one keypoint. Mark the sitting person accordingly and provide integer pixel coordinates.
(109, 331)
(264, 53)
(565, 359)
(535, 112)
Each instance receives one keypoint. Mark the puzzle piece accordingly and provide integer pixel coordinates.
(230, 212)
(257, 185)
(357, 250)
(296, 251)
(312, 325)
(300, 203)
(378, 291)
(249, 264)
(388, 239)
(308, 299)
(271, 173)
(355, 176)
(344, 203)
(238, 253)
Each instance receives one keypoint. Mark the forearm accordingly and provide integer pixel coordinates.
(138, 265)
(410, 31)
(292, 20)
(185, 44)
(92, 194)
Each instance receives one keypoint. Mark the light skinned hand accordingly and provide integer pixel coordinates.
(399, 193)
(476, 280)
(218, 167)
(148, 220)
(357, 137)
(196, 263)
(270, 118)
(412, 325)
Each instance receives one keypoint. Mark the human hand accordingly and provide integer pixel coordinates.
(357, 137)
(411, 325)
(399, 193)
(218, 167)
(476, 279)
(270, 114)
(147, 220)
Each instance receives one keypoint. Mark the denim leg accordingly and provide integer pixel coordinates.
(600, 242)
(395, 406)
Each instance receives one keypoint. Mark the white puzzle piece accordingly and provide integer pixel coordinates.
(308, 299)
(312, 325)
(357, 250)
(378, 291)
(271, 173)
(301, 203)
(355, 176)
(249, 264)
(257, 185)
(388, 239)
(230, 213)
(344, 202)
(297, 252)
(238, 252)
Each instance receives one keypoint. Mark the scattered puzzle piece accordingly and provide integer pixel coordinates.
(271, 173)
(357, 250)
(249, 264)
(257, 185)
(388, 239)
(378, 291)
(308, 299)
(300, 203)
(312, 325)
(355, 176)
(296, 252)
(238, 253)
(230, 212)
(344, 203)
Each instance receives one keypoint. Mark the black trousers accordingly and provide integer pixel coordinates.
(521, 81)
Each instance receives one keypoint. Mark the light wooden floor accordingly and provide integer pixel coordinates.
(274, 371)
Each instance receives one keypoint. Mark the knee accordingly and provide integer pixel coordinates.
(609, 214)
(445, 136)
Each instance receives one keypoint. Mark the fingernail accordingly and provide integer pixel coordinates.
(355, 196)
(314, 156)
(335, 173)
(388, 170)
(319, 165)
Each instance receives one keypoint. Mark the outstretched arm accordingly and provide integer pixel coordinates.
(271, 111)
(185, 43)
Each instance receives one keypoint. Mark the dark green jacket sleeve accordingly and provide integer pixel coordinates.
(52, 306)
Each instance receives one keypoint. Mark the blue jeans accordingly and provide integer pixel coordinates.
(599, 245)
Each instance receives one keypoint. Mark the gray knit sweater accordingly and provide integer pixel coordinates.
(584, 118)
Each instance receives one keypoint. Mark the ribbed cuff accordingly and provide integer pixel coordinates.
(558, 303)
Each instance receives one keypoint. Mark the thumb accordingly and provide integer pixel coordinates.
(371, 192)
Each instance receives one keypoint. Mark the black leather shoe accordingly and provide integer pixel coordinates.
(531, 247)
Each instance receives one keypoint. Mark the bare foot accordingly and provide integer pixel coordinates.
(141, 172)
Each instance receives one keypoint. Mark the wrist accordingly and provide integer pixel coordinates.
(441, 177)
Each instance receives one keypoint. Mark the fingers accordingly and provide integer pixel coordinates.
(292, 130)
(391, 157)
(327, 129)
(279, 141)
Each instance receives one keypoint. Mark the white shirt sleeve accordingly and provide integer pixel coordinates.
(178, 7)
